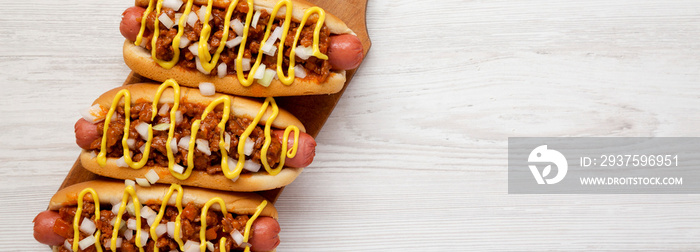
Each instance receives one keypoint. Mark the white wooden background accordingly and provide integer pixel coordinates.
(414, 157)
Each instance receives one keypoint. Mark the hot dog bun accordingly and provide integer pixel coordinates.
(140, 61)
(110, 191)
(246, 209)
(240, 107)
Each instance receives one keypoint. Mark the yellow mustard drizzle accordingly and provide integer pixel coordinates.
(203, 217)
(223, 99)
(208, 61)
(195, 128)
(173, 115)
(268, 140)
(128, 191)
(249, 224)
(102, 156)
(78, 214)
(159, 217)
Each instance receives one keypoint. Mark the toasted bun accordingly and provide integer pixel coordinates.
(110, 191)
(242, 107)
(140, 61)
(239, 106)
(247, 182)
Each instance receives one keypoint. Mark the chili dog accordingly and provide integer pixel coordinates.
(219, 142)
(243, 43)
(156, 218)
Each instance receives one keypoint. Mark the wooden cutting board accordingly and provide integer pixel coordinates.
(313, 111)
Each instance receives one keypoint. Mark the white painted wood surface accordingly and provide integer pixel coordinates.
(414, 157)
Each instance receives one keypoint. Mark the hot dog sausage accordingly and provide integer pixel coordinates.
(131, 22)
(43, 228)
(345, 50)
(264, 235)
(305, 152)
(85, 133)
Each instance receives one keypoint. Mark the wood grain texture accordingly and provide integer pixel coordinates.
(414, 155)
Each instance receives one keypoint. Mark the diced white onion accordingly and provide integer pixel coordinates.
(231, 163)
(202, 12)
(210, 246)
(260, 72)
(131, 209)
(173, 145)
(148, 214)
(194, 48)
(299, 71)
(192, 19)
(237, 26)
(191, 246)
(234, 42)
(269, 47)
(184, 142)
(129, 182)
(198, 63)
(152, 176)
(165, 20)
(178, 15)
(245, 64)
(131, 224)
(163, 111)
(87, 242)
(109, 243)
(203, 146)
(178, 168)
(172, 4)
(115, 210)
(227, 141)
(170, 226)
(142, 149)
(162, 127)
(68, 245)
(128, 234)
(178, 117)
(222, 70)
(245, 244)
(119, 241)
(161, 229)
(142, 182)
(142, 129)
(184, 42)
(144, 237)
(268, 76)
(121, 162)
(249, 146)
(237, 237)
(131, 143)
(88, 226)
(207, 88)
(303, 52)
(251, 165)
(256, 17)
(93, 114)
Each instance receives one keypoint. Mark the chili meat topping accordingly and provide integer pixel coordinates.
(141, 112)
(315, 67)
(218, 226)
